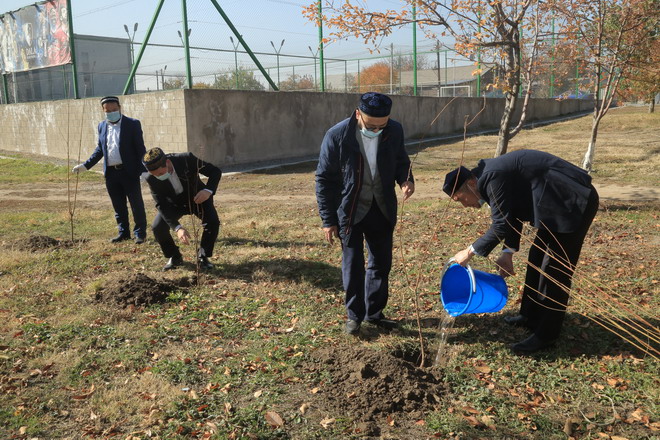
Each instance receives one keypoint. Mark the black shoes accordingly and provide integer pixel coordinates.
(204, 263)
(386, 324)
(120, 237)
(518, 321)
(352, 327)
(173, 262)
(139, 240)
(531, 345)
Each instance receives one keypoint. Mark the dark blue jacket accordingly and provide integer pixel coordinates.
(531, 186)
(341, 167)
(131, 146)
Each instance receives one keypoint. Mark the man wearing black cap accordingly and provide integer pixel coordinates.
(361, 159)
(553, 195)
(120, 143)
(177, 190)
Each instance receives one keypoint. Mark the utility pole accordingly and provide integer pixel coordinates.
(320, 49)
(391, 68)
(186, 41)
(414, 19)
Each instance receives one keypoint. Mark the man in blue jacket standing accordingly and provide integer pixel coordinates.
(554, 196)
(121, 144)
(361, 159)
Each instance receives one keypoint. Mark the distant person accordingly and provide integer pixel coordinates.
(178, 190)
(361, 159)
(556, 197)
(121, 145)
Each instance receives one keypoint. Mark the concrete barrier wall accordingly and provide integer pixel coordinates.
(55, 128)
(233, 128)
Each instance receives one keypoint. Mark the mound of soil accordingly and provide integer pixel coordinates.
(137, 290)
(37, 243)
(370, 386)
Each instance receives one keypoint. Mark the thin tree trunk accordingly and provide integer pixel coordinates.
(505, 124)
(652, 105)
(588, 161)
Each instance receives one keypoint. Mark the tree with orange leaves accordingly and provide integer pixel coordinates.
(492, 28)
(375, 78)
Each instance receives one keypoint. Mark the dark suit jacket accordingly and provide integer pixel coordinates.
(341, 165)
(131, 146)
(188, 168)
(533, 186)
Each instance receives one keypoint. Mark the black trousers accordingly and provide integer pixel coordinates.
(367, 290)
(551, 263)
(122, 186)
(210, 223)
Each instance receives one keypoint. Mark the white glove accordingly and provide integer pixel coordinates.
(79, 169)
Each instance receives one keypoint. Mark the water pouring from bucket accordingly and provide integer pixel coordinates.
(465, 290)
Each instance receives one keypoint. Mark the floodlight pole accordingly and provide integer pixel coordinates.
(247, 48)
(186, 43)
(144, 46)
(235, 59)
(72, 44)
(277, 52)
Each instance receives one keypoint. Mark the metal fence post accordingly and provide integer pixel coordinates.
(72, 43)
(321, 46)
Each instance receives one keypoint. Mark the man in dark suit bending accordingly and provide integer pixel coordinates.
(554, 196)
(178, 190)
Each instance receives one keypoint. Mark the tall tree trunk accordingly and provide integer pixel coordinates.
(505, 124)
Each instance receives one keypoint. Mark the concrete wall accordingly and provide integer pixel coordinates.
(233, 128)
(44, 127)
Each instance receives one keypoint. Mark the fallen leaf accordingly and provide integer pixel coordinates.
(485, 369)
(274, 419)
(258, 394)
(314, 390)
(327, 422)
(303, 408)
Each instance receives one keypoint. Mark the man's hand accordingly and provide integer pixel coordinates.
(330, 233)
(408, 189)
(202, 196)
(79, 169)
(464, 256)
(505, 264)
(183, 235)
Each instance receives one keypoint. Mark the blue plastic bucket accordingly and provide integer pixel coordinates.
(464, 290)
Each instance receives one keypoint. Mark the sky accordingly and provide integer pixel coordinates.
(260, 22)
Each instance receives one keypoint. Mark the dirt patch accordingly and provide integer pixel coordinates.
(137, 290)
(375, 389)
(35, 243)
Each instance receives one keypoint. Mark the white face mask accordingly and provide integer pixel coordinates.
(164, 176)
(370, 134)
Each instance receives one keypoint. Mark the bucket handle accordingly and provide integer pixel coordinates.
(451, 261)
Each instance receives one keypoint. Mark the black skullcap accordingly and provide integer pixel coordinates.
(109, 99)
(154, 159)
(455, 179)
(375, 104)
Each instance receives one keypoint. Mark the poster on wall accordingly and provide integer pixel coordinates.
(34, 37)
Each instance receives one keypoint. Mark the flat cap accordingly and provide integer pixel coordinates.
(109, 99)
(375, 104)
(154, 159)
(455, 179)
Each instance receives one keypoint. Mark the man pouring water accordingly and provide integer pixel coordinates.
(554, 196)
